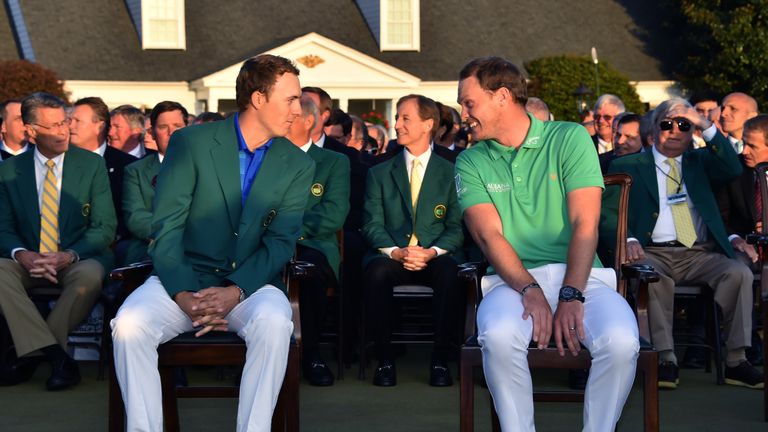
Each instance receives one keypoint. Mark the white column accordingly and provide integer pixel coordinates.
(344, 104)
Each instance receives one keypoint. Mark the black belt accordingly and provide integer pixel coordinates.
(673, 243)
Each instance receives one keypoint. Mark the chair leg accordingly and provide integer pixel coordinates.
(116, 421)
(340, 334)
(292, 411)
(649, 365)
(467, 396)
(764, 305)
(170, 405)
(362, 330)
(105, 350)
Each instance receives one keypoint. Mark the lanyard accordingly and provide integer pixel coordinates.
(678, 183)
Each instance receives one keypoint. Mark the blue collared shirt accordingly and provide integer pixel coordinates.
(250, 161)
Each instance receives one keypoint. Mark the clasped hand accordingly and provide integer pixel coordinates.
(414, 258)
(208, 307)
(568, 322)
(44, 265)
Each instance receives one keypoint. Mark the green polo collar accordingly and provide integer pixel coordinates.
(532, 140)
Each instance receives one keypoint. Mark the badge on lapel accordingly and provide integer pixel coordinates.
(440, 211)
(270, 216)
(86, 210)
(317, 189)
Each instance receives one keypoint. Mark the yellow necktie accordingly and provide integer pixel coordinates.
(49, 212)
(681, 215)
(416, 177)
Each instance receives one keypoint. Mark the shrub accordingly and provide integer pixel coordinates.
(20, 78)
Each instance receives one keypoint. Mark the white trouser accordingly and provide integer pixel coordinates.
(611, 338)
(150, 317)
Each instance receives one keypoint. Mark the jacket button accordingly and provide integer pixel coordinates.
(234, 265)
(236, 234)
(655, 215)
(216, 270)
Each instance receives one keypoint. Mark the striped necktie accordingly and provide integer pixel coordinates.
(49, 212)
(416, 178)
(681, 215)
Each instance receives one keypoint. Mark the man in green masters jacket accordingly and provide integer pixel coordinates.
(140, 179)
(56, 225)
(228, 210)
(326, 211)
(412, 223)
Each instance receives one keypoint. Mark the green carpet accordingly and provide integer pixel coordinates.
(413, 406)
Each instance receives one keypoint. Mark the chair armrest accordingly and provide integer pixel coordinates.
(640, 272)
(295, 271)
(132, 276)
(644, 274)
(471, 274)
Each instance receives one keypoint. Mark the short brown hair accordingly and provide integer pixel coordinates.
(259, 74)
(758, 123)
(326, 103)
(427, 110)
(494, 73)
(164, 107)
(99, 108)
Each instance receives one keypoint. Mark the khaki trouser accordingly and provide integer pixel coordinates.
(730, 279)
(80, 286)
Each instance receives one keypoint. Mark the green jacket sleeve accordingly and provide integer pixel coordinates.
(452, 237)
(327, 217)
(721, 161)
(138, 218)
(374, 231)
(173, 198)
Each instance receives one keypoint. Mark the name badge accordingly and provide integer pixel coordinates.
(678, 198)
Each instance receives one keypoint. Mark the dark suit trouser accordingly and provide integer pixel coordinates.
(313, 299)
(80, 286)
(352, 282)
(700, 265)
(383, 274)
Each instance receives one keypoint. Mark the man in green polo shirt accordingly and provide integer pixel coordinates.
(530, 193)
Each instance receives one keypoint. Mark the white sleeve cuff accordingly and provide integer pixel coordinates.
(439, 250)
(733, 236)
(632, 239)
(388, 250)
(709, 133)
(13, 252)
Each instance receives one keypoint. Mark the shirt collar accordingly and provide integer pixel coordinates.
(160, 157)
(241, 140)
(100, 150)
(42, 160)
(15, 152)
(321, 142)
(660, 159)
(423, 158)
(306, 146)
(532, 140)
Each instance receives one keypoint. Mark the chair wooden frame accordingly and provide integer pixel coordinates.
(761, 241)
(647, 363)
(182, 351)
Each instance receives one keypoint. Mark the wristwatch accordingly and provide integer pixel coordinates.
(569, 294)
(242, 294)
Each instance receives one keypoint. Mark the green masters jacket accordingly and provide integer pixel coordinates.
(388, 218)
(328, 204)
(87, 220)
(202, 234)
(717, 163)
(139, 179)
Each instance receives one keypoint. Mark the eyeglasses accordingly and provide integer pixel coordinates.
(682, 125)
(60, 125)
(605, 117)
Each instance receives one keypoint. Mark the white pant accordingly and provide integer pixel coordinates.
(611, 338)
(150, 317)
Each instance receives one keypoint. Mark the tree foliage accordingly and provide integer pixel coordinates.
(20, 78)
(723, 45)
(554, 80)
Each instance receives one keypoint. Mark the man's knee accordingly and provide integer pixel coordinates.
(505, 333)
(271, 320)
(130, 324)
(618, 343)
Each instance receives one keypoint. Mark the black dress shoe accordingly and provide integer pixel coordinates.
(744, 375)
(577, 378)
(64, 374)
(669, 375)
(440, 375)
(695, 358)
(385, 375)
(19, 371)
(318, 373)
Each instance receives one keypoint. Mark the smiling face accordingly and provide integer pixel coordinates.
(604, 119)
(479, 109)
(277, 111)
(412, 130)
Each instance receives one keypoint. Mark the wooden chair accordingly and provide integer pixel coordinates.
(549, 358)
(760, 239)
(714, 343)
(213, 349)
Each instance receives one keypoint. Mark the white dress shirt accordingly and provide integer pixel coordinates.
(139, 151)
(321, 142)
(603, 146)
(15, 152)
(306, 146)
(100, 150)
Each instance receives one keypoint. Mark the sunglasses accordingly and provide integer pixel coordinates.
(682, 125)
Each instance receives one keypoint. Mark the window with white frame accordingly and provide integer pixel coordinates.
(399, 25)
(162, 23)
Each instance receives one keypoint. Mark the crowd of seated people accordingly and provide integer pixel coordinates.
(84, 190)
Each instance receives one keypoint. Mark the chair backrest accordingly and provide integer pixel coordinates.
(624, 182)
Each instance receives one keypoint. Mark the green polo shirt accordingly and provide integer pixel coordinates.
(528, 186)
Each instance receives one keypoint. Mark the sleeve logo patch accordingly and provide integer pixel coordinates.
(440, 211)
(498, 187)
(317, 189)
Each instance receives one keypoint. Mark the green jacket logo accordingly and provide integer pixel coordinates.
(316, 189)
